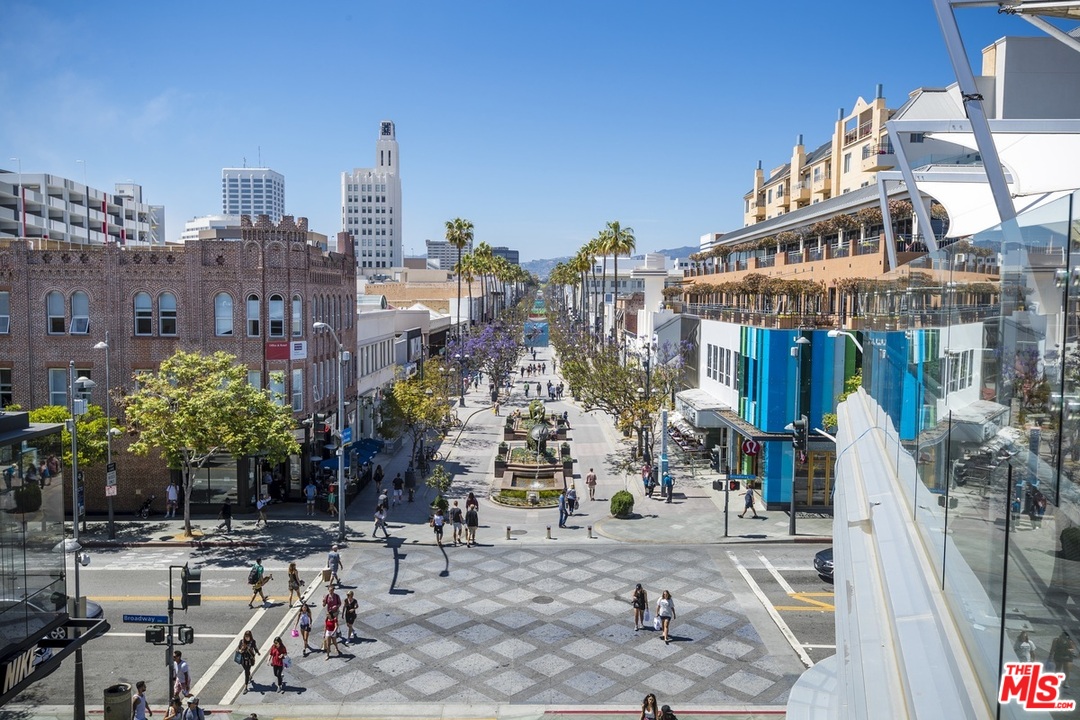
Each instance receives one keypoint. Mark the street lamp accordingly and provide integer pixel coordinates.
(343, 357)
(77, 389)
(796, 352)
(462, 361)
(843, 333)
(110, 471)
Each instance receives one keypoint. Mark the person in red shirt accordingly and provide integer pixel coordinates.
(331, 634)
(279, 660)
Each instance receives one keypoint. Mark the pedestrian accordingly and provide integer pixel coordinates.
(246, 652)
(527, 386)
(562, 509)
(333, 562)
(398, 485)
(1025, 648)
(9, 476)
(522, 371)
(310, 493)
(255, 580)
(225, 516)
(748, 502)
(471, 502)
(378, 479)
(665, 610)
(261, 507)
(140, 707)
(649, 710)
(349, 611)
(380, 522)
(1062, 654)
(1039, 501)
(590, 483)
(646, 479)
(303, 620)
(472, 521)
(571, 500)
(193, 711)
(296, 585)
(495, 407)
(279, 660)
(172, 497)
(537, 389)
(331, 503)
(182, 673)
(330, 637)
(667, 485)
(639, 599)
(457, 522)
(437, 522)
(175, 711)
(384, 500)
(553, 367)
(331, 601)
(666, 713)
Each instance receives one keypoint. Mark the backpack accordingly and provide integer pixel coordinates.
(253, 575)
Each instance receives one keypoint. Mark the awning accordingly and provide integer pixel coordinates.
(729, 418)
(699, 408)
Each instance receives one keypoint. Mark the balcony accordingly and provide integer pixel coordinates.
(878, 156)
(857, 134)
(838, 251)
(821, 182)
(757, 209)
(795, 257)
(814, 253)
(800, 191)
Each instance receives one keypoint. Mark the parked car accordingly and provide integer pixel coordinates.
(823, 564)
(38, 606)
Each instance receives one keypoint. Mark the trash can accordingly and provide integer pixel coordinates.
(117, 702)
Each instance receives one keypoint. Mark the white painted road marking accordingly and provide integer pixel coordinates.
(784, 629)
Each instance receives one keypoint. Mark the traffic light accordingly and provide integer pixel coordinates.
(800, 431)
(190, 587)
(714, 459)
(733, 485)
(155, 634)
(185, 634)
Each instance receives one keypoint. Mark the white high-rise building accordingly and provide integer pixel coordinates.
(194, 226)
(371, 206)
(253, 191)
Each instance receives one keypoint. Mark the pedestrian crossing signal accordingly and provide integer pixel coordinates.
(190, 587)
(155, 634)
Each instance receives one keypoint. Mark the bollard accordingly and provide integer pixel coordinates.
(589, 528)
(507, 532)
(548, 532)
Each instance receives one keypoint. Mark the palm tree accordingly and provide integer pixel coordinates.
(617, 240)
(484, 267)
(466, 268)
(459, 233)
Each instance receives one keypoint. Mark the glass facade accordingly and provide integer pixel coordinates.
(971, 356)
(32, 584)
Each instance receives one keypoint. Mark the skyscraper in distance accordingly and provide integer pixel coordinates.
(253, 191)
(371, 206)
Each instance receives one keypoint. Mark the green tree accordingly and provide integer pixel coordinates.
(459, 233)
(92, 428)
(196, 406)
(415, 405)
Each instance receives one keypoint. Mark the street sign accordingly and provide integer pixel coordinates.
(110, 491)
(742, 477)
(346, 436)
(110, 476)
(146, 619)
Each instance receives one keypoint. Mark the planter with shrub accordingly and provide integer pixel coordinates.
(622, 504)
(28, 498)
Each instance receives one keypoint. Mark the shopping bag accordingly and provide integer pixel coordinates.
(646, 619)
(657, 625)
(296, 633)
(326, 573)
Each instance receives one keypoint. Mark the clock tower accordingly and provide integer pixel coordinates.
(386, 149)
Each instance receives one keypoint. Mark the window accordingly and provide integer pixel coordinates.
(7, 397)
(277, 388)
(297, 316)
(167, 314)
(255, 379)
(223, 314)
(297, 390)
(917, 138)
(277, 316)
(58, 384)
(5, 313)
(54, 306)
(847, 162)
(80, 313)
(144, 314)
(253, 312)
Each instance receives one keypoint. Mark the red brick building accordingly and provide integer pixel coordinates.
(255, 297)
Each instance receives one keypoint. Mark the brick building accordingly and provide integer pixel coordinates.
(255, 297)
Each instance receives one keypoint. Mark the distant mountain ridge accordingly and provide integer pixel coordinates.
(542, 268)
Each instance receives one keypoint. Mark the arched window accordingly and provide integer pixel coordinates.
(297, 316)
(54, 308)
(80, 313)
(144, 314)
(276, 316)
(253, 314)
(166, 314)
(223, 314)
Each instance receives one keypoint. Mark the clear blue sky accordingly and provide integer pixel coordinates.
(539, 122)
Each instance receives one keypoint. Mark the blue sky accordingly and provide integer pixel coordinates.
(539, 122)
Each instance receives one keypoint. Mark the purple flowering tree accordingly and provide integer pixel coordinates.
(495, 349)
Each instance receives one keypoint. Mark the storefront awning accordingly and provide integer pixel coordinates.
(699, 408)
(730, 419)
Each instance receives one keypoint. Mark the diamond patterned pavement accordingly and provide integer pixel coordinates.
(540, 624)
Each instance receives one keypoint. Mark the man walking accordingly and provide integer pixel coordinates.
(748, 503)
(225, 516)
(457, 522)
(310, 491)
(140, 708)
(398, 485)
(562, 509)
(590, 482)
(667, 484)
(333, 561)
(182, 673)
(261, 507)
(255, 580)
(472, 520)
(172, 497)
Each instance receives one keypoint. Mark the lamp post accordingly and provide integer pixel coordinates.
(343, 356)
(104, 345)
(462, 361)
(796, 352)
(76, 389)
(843, 333)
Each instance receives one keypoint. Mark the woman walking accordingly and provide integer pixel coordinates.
(665, 610)
(279, 660)
(350, 606)
(437, 522)
(649, 709)
(303, 619)
(331, 634)
(640, 600)
(247, 650)
(295, 583)
(1025, 648)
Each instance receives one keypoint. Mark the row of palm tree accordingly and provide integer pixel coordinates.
(614, 240)
(495, 273)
